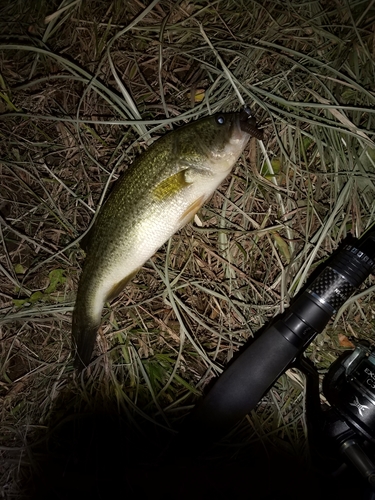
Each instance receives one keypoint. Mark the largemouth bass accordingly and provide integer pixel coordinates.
(158, 194)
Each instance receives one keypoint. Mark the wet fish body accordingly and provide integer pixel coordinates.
(159, 193)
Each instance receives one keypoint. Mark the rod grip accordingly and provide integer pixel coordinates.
(241, 386)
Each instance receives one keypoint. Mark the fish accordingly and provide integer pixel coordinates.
(156, 196)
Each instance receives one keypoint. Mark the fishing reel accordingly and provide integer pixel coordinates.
(342, 430)
(349, 387)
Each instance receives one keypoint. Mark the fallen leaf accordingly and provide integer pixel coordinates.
(344, 341)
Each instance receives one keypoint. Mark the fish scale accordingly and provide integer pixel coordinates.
(158, 194)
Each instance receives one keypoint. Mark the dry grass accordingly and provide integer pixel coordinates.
(82, 91)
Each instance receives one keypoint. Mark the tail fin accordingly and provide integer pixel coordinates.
(84, 331)
(88, 310)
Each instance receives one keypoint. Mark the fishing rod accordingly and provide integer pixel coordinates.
(242, 385)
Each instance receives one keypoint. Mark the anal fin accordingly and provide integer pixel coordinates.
(117, 288)
(191, 210)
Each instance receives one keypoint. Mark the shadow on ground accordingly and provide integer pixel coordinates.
(99, 455)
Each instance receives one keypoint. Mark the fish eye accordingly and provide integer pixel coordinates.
(220, 120)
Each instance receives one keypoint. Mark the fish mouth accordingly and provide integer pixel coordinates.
(248, 124)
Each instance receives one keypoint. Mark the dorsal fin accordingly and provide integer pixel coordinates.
(84, 243)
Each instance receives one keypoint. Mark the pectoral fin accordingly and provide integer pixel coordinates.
(170, 186)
